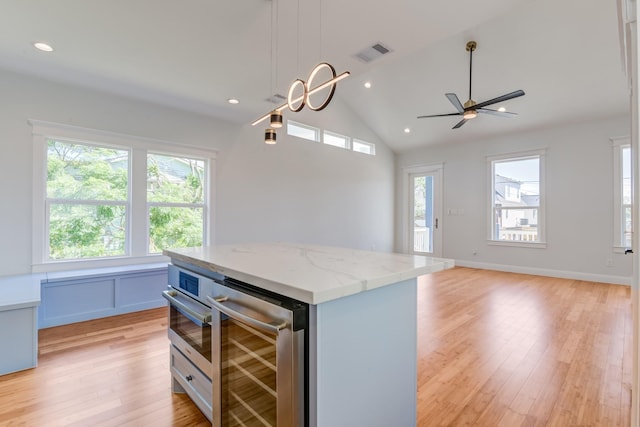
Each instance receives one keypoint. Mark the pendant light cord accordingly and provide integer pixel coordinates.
(298, 38)
(320, 59)
(277, 43)
(271, 54)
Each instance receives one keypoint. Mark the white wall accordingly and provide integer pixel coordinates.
(295, 191)
(301, 191)
(579, 215)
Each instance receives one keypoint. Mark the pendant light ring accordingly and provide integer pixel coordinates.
(291, 101)
(309, 91)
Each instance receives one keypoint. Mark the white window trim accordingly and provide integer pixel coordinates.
(42, 131)
(542, 242)
(617, 144)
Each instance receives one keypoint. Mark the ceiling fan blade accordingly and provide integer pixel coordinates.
(440, 115)
(497, 113)
(453, 98)
(502, 98)
(460, 123)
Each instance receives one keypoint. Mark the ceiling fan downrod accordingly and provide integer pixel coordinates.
(471, 46)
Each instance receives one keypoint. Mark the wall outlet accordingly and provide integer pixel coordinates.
(609, 262)
(475, 251)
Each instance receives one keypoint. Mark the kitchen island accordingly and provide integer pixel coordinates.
(362, 321)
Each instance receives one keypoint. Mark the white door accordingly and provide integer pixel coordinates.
(425, 212)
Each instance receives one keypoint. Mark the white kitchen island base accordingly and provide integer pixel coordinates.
(363, 359)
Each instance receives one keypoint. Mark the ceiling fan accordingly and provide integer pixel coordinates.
(470, 109)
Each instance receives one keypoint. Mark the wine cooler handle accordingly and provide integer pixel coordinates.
(273, 328)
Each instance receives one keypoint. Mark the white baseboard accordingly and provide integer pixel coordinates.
(576, 275)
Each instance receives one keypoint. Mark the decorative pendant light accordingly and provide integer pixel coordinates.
(304, 88)
(276, 119)
(270, 136)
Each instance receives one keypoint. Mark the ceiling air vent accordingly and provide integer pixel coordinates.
(372, 52)
(276, 98)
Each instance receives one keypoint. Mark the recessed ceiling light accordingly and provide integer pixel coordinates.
(407, 130)
(43, 47)
(502, 109)
(367, 85)
(233, 101)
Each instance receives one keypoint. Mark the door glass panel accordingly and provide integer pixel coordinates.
(423, 214)
(249, 395)
(198, 337)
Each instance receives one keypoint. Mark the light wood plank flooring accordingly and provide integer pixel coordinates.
(502, 349)
(494, 349)
(105, 372)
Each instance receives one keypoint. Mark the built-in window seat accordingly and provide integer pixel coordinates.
(75, 296)
(33, 301)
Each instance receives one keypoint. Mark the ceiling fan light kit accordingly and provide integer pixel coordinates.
(470, 109)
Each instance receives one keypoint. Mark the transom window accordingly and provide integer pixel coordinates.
(312, 133)
(517, 199)
(303, 131)
(335, 139)
(363, 147)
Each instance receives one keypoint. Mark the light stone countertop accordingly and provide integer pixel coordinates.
(309, 273)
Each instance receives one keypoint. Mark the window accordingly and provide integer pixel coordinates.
(103, 199)
(303, 131)
(335, 139)
(175, 197)
(364, 147)
(86, 200)
(517, 199)
(311, 133)
(623, 194)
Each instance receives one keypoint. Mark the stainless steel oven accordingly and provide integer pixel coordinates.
(259, 372)
(190, 335)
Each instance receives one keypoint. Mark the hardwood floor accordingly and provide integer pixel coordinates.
(106, 372)
(494, 349)
(502, 349)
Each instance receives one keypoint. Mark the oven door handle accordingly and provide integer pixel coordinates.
(198, 316)
(274, 327)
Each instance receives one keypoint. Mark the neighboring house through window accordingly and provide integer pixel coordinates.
(517, 199)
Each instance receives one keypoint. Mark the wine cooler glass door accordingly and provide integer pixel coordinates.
(253, 383)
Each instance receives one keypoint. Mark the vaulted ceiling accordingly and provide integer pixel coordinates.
(196, 54)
